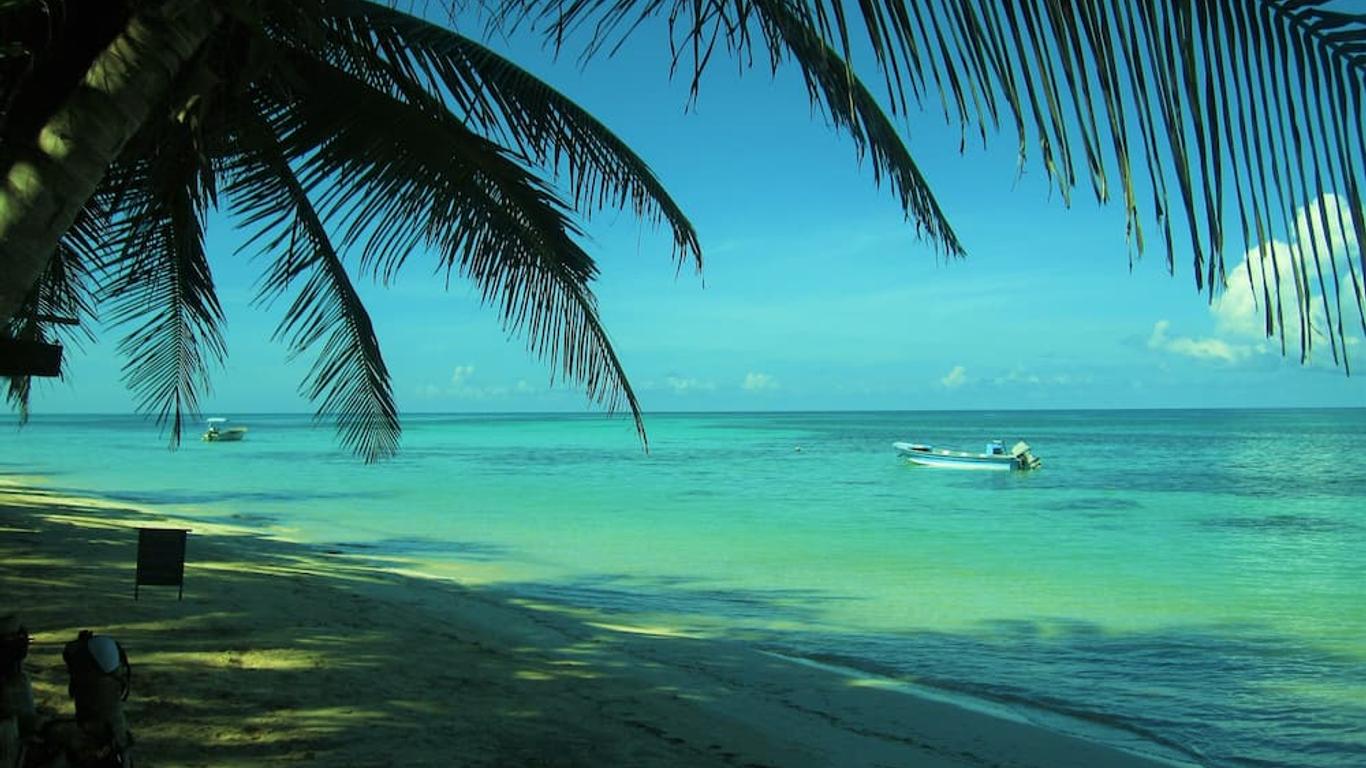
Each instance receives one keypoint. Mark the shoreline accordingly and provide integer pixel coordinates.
(262, 662)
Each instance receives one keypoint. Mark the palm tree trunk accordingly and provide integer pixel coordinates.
(48, 182)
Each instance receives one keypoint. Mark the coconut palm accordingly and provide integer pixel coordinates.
(348, 133)
(326, 127)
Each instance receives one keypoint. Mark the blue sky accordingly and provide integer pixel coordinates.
(816, 293)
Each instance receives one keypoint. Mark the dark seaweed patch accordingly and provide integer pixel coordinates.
(177, 496)
(416, 545)
(1304, 524)
(685, 596)
(1092, 503)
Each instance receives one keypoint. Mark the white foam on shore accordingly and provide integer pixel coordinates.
(1057, 722)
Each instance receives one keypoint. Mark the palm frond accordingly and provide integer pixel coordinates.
(1255, 100)
(66, 291)
(349, 380)
(393, 176)
(813, 35)
(158, 279)
(854, 110)
(62, 304)
(401, 53)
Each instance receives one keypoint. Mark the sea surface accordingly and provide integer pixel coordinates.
(1195, 578)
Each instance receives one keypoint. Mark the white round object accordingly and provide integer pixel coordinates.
(105, 652)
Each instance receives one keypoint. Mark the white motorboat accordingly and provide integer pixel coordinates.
(996, 457)
(220, 432)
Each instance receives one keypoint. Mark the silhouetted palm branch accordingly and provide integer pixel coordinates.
(393, 176)
(1267, 92)
(491, 95)
(343, 124)
(349, 380)
(158, 280)
(62, 304)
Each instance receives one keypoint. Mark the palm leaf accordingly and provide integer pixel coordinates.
(1258, 96)
(158, 279)
(349, 379)
(813, 35)
(393, 176)
(853, 109)
(404, 54)
(62, 304)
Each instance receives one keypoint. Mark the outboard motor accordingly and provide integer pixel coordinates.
(1023, 457)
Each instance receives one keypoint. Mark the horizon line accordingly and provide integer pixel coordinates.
(796, 411)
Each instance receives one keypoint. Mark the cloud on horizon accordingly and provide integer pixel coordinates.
(1266, 280)
(1018, 376)
(758, 382)
(461, 374)
(955, 378)
(461, 387)
(681, 386)
(1201, 349)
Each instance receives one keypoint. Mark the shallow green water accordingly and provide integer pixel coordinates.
(1194, 576)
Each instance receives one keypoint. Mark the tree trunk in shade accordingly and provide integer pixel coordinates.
(47, 182)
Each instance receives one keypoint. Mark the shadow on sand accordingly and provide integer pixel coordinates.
(285, 654)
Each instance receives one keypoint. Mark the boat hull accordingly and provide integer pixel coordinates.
(225, 435)
(928, 456)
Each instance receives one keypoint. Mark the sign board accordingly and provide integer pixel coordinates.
(161, 559)
(29, 358)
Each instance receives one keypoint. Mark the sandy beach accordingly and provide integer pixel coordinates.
(282, 654)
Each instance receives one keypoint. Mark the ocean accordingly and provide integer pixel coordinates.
(1195, 579)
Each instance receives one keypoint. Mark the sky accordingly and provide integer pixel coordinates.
(816, 294)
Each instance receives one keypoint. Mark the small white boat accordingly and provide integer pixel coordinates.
(996, 457)
(219, 432)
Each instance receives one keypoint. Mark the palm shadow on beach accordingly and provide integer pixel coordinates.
(291, 655)
(281, 653)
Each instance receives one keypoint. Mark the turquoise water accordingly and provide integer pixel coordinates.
(1198, 577)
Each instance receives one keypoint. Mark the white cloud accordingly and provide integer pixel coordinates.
(955, 377)
(461, 387)
(1200, 349)
(682, 386)
(1278, 272)
(1020, 376)
(758, 382)
(1311, 224)
(461, 374)
(1269, 278)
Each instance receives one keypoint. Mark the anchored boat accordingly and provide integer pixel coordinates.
(996, 457)
(219, 432)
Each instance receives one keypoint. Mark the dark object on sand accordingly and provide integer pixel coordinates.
(18, 719)
(14, 641)
(161, 559)
(98, 737)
